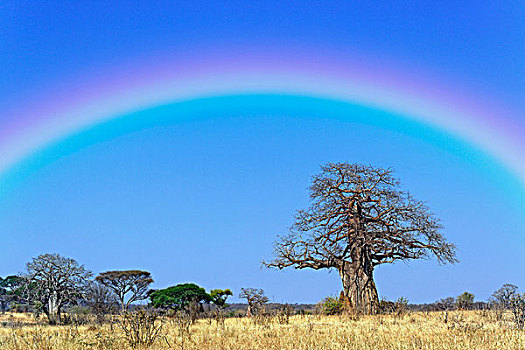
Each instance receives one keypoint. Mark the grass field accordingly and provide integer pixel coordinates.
(435, 330)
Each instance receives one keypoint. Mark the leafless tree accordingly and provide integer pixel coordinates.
(134, 283)
(54, 281)
(255, 299)
(101, 300)
(503, 297)
(141, 327)
(446, 304)
(358, 219)
(508, 298)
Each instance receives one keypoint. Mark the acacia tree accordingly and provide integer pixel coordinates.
(9, 291)
(54, 281)
(179, 297)
(218, 297)
(360, 218)
(134, 283)
(255, 299)
(187, 297)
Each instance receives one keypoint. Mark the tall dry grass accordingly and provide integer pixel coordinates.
(436, 330)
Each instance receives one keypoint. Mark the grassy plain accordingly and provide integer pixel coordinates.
(433, 330)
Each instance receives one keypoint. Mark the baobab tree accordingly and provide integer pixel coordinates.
(130, 284)
(55, 281)
(255, 299)
(358, 219)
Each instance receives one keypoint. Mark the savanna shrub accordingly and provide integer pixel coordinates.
(141, 327)
(331, 306)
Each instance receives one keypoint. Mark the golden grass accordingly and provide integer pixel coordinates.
(462, 330)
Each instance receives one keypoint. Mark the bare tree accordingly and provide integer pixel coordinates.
(54, 281)
(134, 283)
(255, 299)
(101, 300)
(504, 296)
(446, 304)
(508, 298)
(358, 219)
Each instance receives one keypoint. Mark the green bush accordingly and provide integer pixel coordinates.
(465, 301)
(331, 306)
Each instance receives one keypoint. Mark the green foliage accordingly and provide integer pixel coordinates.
(219, 296)
(10, 283)
(331, 306)
(465, 301)
(10, 291)
(179, 297)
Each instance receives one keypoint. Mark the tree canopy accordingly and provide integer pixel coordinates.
(255, 298)
(360, 218)
(219, 296)
(10, 290)
(54, 281)
(130, 284)
(179, 297)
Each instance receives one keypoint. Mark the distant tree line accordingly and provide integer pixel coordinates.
(53, 283)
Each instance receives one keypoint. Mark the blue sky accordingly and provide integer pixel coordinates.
(201, 197)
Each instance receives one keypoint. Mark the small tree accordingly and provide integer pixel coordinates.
(179, 297)
(504, 296)
(331, 306)
(130, 284)
(55, 281)
(255, 299)
(140, 327)
(218, 297)
(359, 218)
(446, 304)
(465, 301)
(508, 298)
(518, 310)
(101, 300)
(187, 297)
(9, 291)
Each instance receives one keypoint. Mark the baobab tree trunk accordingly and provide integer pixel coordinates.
(358, 285)
(53, 309)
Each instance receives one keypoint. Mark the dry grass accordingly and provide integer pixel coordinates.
(462, 330)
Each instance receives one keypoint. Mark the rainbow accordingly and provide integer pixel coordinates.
(111, 93)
